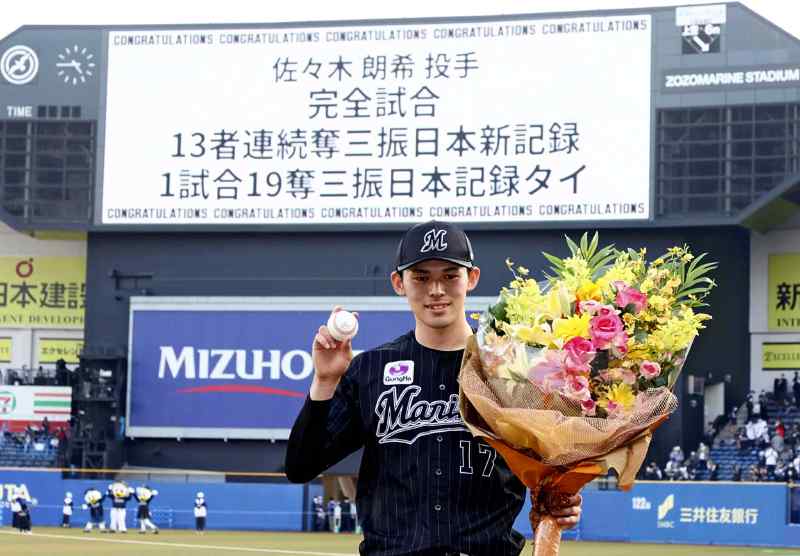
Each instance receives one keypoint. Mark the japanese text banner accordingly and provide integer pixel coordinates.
(515, 121)
(42, 292)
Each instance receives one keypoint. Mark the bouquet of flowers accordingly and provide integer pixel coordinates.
(568, 377)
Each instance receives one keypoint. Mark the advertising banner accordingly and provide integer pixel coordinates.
(34, 403)
(784, 292)
(42, 292)
(52, 349)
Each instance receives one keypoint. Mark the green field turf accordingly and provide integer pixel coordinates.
(61, 542)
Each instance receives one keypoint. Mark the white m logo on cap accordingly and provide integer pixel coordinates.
(434, 241)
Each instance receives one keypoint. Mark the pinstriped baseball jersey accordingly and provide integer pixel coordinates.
(426, 485)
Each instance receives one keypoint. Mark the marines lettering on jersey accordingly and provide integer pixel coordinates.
(404, 418)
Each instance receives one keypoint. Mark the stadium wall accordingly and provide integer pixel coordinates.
(664, 512)
(245, 506)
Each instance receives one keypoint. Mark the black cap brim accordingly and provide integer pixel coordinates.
(465, 264)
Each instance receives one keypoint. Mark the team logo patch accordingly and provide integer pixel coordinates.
(435, 240)
(398, 372)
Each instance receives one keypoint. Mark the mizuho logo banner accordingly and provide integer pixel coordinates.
(230, 371)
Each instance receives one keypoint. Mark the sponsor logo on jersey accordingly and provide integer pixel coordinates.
(398, 372)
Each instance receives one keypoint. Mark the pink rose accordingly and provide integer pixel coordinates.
(627, 295)
(580, 353)
(606, 310)
(650, 370)
(588, 407)
(619, 345)
(589, 306)
(577, 387)
(628, 376)
(549, 372)
(603, 330)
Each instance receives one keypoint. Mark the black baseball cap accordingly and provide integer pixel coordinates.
(433, 240)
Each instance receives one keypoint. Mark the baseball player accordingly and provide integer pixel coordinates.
(66, 511)
(144, 495)
(200, 513)
(426, 485)
(93, 501)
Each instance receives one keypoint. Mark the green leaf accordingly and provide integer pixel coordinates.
(573, 247)
(593, 246)
(554, 260)
(498, 311)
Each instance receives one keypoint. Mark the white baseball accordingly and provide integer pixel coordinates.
(342, 325)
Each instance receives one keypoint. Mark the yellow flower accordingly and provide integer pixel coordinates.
(658, 302)
(589, 290)
(673, 283)
(523, 271)
(534, 335)
(571, 327)
(620, 394)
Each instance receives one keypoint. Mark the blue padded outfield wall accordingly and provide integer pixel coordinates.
(663, 512)
(252, 506)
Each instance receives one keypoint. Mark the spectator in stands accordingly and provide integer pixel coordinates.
(762, 405)
(713, 471)
(791, 473)
(796, 389)
(62, 373)
(749, 405)
(671, 470)
(676, 455)
(737, 472)
(742, 441)
(781, 388)
(652, 472)
(793, 439)
(770, 461)
(692, 464)
(761, 432)
(702, 457)
(777, 442)
(46, 425)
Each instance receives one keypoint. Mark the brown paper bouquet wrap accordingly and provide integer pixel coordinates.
(552, 454)
(569, 377)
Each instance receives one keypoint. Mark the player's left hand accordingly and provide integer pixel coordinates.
(569, 514)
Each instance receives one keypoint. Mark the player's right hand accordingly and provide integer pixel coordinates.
(331, 358)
